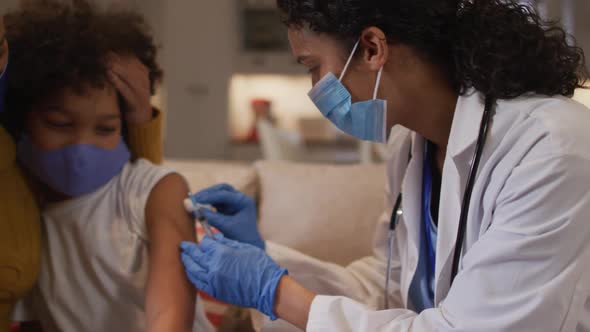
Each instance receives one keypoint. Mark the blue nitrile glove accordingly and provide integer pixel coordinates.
(233, 272)
(236, 214)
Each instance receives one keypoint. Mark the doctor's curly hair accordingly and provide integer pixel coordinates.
(499, 47)
(57, 44)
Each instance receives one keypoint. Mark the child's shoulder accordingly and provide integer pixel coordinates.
(142, 165)
(140, 176)
(135, 185)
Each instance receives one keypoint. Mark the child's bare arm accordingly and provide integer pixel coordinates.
(170, 298)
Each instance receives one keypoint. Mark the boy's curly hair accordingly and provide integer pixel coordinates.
(56, 45)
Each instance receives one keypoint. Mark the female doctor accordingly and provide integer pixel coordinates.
(489, 185)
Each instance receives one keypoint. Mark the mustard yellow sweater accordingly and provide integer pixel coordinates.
(20, 231)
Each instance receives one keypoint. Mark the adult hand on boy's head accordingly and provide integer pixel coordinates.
(131, 79)
(3, 46)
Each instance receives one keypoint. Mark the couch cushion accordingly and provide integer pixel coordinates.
(203, 174)
(328, 212)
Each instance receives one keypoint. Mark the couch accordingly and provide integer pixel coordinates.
(326, 211)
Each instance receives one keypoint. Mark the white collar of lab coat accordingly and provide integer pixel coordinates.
(460, 149)
(466, 123)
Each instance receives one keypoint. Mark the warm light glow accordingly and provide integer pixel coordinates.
(287, 93)
(583, 95)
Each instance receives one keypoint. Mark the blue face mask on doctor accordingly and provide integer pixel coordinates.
(364, 120)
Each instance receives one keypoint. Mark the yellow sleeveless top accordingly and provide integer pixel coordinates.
(20, 233)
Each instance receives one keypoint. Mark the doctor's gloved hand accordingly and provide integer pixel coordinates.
(233, 272)
(236, 215)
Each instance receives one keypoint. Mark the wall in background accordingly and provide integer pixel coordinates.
(201, 51)
(198, 48)
(573, 14)
(7, 4)
(581, 30)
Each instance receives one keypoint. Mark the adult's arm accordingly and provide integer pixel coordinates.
(144, 123)
(529, 271)
(364, 279)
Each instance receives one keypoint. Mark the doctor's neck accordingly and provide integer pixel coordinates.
(420, 97)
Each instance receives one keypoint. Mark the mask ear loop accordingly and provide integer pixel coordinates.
(349, 59)
(378, 83)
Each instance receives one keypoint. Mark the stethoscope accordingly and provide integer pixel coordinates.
(461, 230)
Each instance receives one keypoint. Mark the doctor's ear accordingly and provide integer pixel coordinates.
(374, 46)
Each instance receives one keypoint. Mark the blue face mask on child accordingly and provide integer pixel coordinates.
(74, 170)
(364, 120)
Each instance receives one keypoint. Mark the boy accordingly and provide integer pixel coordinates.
(111, 226)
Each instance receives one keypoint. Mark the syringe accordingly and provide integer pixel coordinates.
(195, 209)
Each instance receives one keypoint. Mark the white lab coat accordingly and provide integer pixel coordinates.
(526, 257)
